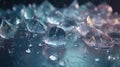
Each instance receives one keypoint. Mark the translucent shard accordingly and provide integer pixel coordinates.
(97, 59)
(72, 10)
(17, 9)
(68, 24)
(35, 26)
(83, 29)
(62, 63)
(27, 12)
(74, 5)
(28, 51)
(105, 8)
(7, 30)
(56, 37)
(53, 58)
(55, 17)
(44, 9)
(47, 5)
(72, 36)
(88, 6)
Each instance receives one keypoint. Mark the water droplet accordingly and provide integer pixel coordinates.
(56, 37)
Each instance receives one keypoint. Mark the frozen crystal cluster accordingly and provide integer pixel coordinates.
(76, 36)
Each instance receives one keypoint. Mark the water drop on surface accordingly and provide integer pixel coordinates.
(56, 37)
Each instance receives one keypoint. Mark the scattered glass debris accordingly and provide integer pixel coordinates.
(27, 12)
(75, 36)
(35, 26)
(28, 51)
(53, 58)
(62, 63)
(97, 59)
(56, 37)
(30, 45)
(7, 29)
(55, 17)
(44, 9)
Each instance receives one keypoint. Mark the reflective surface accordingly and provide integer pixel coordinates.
(76, 36)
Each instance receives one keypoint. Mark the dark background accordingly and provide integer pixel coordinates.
(7, 4)
(5, 59)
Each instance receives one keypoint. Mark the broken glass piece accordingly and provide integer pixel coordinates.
(74, 5)
(35, 26)
(77, 36)
(27, 12)
(7, 29)
(55, 17)
(30, 45)
(53, 58)
(44, 9)
(72, 11)
(68, 24)
(105, 9)
(28, 51)
(86, 7)
(62, 63)
(17, 9)
(83, 29)
(56, 37)
(72, 36)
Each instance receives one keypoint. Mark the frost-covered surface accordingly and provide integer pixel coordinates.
(76, 36)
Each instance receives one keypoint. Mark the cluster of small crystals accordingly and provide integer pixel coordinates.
(57, 30)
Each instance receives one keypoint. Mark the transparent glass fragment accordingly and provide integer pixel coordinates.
(7, 29)
(68, 24)
(55, 17)
(56, 37)
(27, 12)
(44, 9)
(35, 26)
